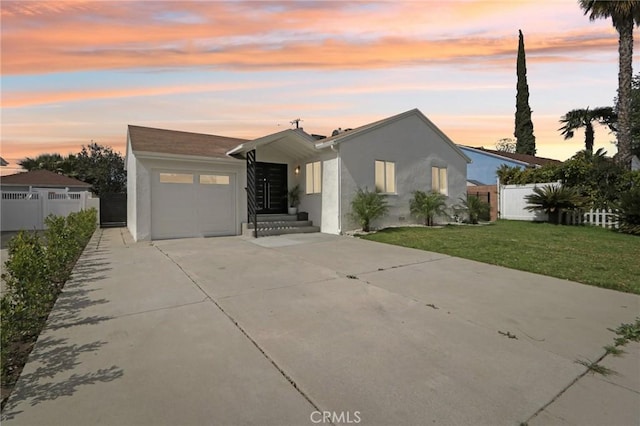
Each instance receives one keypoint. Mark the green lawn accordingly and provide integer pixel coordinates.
(586, 254)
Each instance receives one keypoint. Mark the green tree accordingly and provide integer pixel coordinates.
(95, 164)
(367, 206)
(103, 168)
(624, 14)
(428, 205)
(579, 118)
(51, 162)
(525, 140)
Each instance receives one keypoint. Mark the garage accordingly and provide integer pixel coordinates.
(192, 204)
(182, 184)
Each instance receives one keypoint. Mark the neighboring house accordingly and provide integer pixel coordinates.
(486, 162)
(185, 184)
(42, 179)
(3, 162)
(29, 197)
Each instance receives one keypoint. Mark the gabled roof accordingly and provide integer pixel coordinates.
(349, 134)
(3, 162)
(295, 143)
(148, 139)
(526, 159)
(42, 178)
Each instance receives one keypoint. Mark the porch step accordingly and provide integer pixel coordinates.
(267, 232)
(279, 224)
(277, 217)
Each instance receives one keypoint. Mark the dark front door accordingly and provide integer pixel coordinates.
(271, 188)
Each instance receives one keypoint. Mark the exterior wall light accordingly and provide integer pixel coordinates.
(297, 171)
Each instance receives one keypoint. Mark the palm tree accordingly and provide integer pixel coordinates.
(51, 162)
(428, 205)
(475, 208)
(624, 15)
(367, 206)
(553, 200)
(578, 118)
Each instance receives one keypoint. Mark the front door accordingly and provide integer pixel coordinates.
(271, 188)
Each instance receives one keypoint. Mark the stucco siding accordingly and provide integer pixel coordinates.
(131, 191)
(414, 147)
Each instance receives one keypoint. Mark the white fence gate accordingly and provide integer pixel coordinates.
(27, 210)
(512, 203)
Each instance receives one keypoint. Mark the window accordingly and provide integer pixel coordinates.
(386, 176)
(314, 177)
(176, 178)
(439, 180)
(214, 180)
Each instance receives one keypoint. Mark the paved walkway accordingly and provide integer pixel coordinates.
(233, 331)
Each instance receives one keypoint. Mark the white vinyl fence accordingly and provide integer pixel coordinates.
(512, 206)
(512, 203)
(27, 210)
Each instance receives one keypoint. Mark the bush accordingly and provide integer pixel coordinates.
(35, 271)
(428, 205)
(368, 206)
(475, 208)
(629, 211)
(552, 200)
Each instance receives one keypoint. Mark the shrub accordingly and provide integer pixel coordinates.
(368, 206)
(629, 211)
(428, 205)
(552, 200)
(475, 208)
(34, 274)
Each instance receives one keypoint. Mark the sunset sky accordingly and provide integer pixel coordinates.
(78, 71)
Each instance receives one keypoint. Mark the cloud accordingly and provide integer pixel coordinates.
(70, 36)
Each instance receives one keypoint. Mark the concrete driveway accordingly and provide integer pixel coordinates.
(319, 329)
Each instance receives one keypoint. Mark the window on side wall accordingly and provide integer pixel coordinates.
(439, 180)
(314, 178)
(386, 177)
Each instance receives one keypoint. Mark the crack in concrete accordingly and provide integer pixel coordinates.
(563, 390)
(247, 335)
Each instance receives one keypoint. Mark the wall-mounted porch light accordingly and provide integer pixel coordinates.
(297, 171)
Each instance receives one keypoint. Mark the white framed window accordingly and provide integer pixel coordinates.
(176, 178)
(314, 177)
(439, 180)
(214, 180)
(385, 176)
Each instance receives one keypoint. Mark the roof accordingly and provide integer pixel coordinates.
(3, 162)
(295, 143)
(42, 178)
(523, 158)
(148, 139)
(348, 134)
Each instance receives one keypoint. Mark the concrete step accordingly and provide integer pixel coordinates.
(277, 217)
(281, 224)
(282, 231)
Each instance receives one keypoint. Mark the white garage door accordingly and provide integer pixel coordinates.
(192, 204)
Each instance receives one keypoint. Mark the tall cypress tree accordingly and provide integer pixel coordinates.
(525, 140)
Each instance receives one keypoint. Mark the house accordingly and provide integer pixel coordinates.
(486, 162)
(42, 179)
(186, 184)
